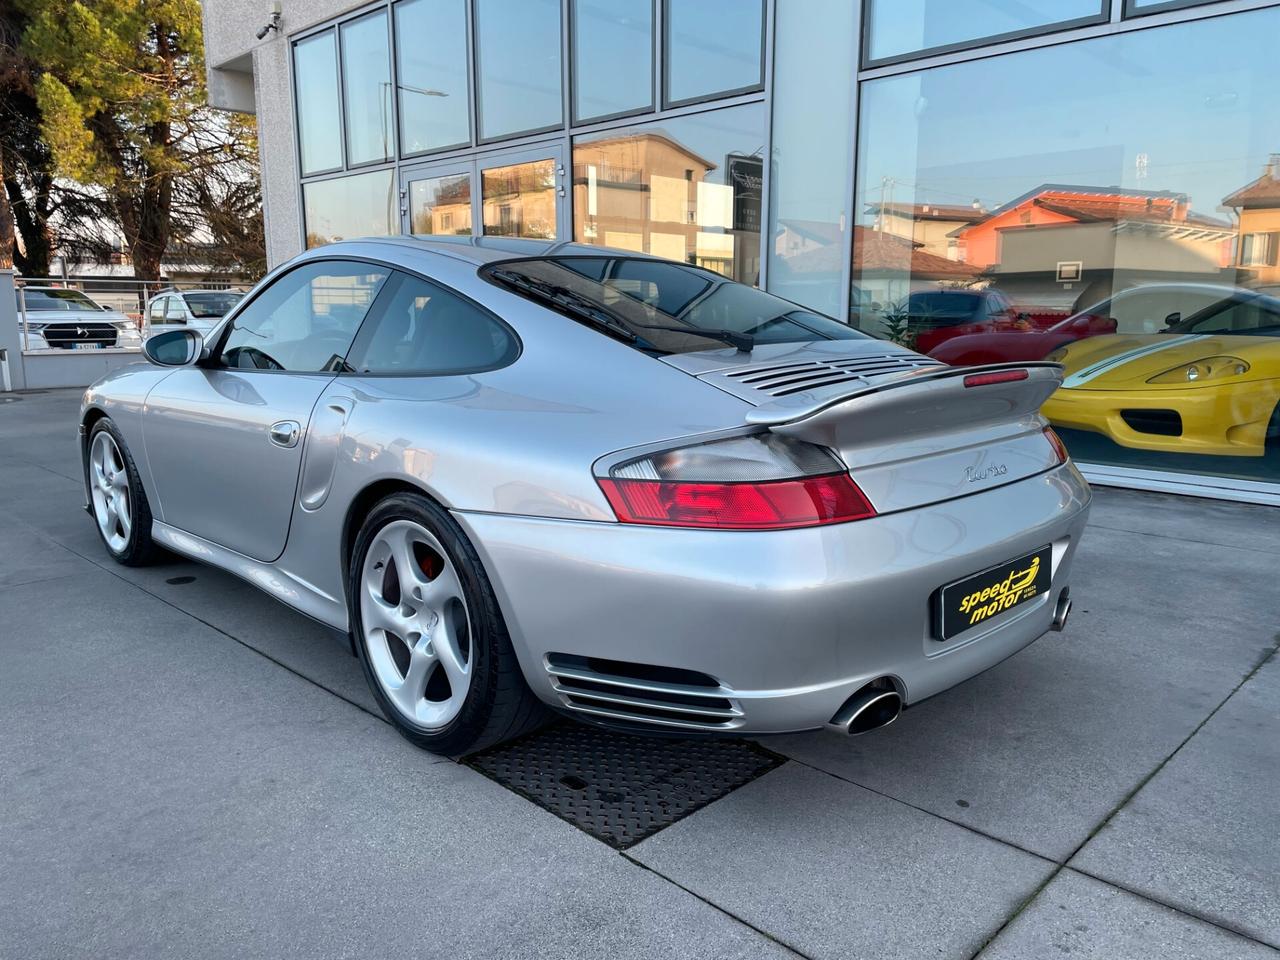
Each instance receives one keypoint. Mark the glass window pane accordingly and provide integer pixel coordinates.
(1134, 248)
(427, 330)
(518, 49)
(713, 47)
(304, 321)
(899, 27)
(366, 81)
(349, 207)
(520, 200)
(315, 78)
(441, 205)
(810, 173)
(686, 189)
(612, 57)
(432, 76)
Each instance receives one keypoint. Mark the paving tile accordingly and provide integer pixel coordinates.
(1201, 835)
(1078, 917)
(1184, 518)
(27, 557)
(166, 792)
(1040, 749)
(834, 870)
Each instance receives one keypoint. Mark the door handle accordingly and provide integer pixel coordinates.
(284, 433)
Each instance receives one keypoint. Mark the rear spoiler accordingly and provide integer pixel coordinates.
(929, 401)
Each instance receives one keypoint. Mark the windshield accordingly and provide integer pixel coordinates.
(1247, 315)
(67, 301)
(210, 306)
(942, 304)
(640, 295)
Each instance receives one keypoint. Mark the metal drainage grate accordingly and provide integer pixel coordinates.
(621, 788)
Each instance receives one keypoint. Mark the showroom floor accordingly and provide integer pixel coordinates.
(189, 769)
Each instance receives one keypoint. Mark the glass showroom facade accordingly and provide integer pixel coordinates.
(1094, 182)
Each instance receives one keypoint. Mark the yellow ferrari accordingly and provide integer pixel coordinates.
(1209, 384)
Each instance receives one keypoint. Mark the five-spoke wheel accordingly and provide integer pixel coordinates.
(415, 625)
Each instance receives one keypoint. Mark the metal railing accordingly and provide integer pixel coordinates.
(127, 297)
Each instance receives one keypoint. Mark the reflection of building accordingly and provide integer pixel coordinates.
(648, 192)
(931, 225)
(1258, 204)
(1058, 247)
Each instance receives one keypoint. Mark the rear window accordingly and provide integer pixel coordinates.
(68, 301)
(638, 295)
(211, 305)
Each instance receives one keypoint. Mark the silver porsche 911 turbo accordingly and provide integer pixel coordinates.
(521, 475)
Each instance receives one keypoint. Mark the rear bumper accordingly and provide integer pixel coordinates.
(785, 624)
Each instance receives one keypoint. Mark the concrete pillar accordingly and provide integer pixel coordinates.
(10, 335)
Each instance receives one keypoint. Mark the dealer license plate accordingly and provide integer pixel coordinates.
(977, 599)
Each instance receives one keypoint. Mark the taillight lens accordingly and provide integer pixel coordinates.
(759, 482)
(1055, 441)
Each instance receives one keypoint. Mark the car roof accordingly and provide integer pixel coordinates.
(480, 250)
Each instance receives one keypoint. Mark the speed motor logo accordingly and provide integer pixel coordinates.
(987, 602)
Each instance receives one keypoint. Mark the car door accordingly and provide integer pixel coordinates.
(225, 439)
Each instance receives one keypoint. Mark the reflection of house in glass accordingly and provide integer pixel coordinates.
(886, 267)
(1258, 205)
(1056, 247)
(648, 192)
(931, 225)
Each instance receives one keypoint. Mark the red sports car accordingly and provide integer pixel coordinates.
(1147, 309)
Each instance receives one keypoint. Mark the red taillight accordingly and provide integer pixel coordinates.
(1001, 376)
(766, 505)
(1055, 441)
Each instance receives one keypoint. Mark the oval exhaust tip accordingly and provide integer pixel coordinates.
(868, 709)
(1061, 611)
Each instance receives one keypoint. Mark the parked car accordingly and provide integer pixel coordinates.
(65, 319)
(935, 316)
(1145, 309)
(199, 309)
(1209, 384)
(523, 474)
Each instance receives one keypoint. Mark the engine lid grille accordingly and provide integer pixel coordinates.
(760, 383)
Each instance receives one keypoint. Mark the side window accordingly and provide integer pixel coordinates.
(155, 313)
(306, 319)
(422, 329)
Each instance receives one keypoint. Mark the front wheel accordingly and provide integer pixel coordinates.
(429, 633)
(120, 507)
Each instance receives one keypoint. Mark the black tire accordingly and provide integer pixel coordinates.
(139, 549)
(499, 704)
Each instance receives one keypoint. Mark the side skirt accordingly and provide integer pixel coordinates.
(292, 591)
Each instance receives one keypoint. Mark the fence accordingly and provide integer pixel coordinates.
(62, 321)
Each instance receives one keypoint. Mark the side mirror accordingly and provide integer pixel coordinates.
(174, 348)
(1171, 319)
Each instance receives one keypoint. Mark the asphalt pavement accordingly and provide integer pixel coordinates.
(188, 769)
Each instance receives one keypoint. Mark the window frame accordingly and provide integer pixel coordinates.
(378, 308)
(228, 322)
(868, 16)
(664, 63)
(469, 56)
(655, 67)
(477, 102)
(383, 10)
(332, 30)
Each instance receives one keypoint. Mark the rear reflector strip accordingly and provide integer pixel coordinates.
(771, 505)
(1002, 376)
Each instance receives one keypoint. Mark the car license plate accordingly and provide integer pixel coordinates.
(85, 346)
(976, 599)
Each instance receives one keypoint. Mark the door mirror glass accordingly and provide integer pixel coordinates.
(173, 348)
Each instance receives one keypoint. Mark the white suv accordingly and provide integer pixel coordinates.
(63, 319)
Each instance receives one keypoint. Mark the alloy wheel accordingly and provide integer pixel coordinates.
(109, 488)
(415, 624)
